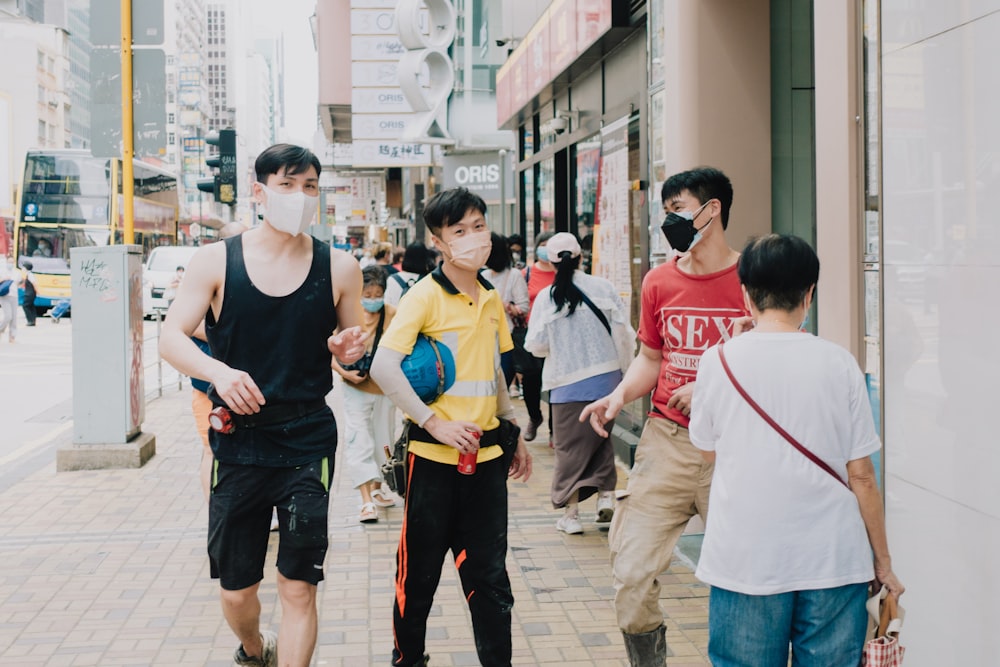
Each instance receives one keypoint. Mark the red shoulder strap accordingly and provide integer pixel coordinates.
(766, 417)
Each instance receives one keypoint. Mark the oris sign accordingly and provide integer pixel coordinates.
(480, 173)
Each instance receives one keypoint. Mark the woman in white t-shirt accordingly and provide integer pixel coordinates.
(788, 549)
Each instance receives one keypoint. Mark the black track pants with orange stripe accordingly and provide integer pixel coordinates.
(468, 515)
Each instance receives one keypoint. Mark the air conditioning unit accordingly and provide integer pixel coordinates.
(53, 98)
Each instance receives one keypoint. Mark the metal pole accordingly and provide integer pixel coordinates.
(201, 161)
(128, 146)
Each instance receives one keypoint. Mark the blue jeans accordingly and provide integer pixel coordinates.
(825, 627)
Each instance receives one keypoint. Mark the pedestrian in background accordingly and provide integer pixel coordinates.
(539, 276)
(688, 303)
(417, 263)
(8, 301)
(28, 294)
(382, 253)
(368, 413)
(278, 306)
(446, 509)
(516, 244)
(580, 326)
(513, 292)
(812, 531)
(170, 293)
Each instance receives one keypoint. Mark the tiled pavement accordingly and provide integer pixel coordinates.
(109, 568)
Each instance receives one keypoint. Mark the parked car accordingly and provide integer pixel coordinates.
(158, 272)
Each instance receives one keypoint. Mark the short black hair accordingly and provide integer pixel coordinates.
(288, 157)
(543, 237)
(373, 274)
(416, 259)
(515, 239)
(499, 258)
(28, 265)
(777, 271)
(448, 207)
(705, 183)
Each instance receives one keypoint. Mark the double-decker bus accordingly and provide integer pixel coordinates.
(70, 199)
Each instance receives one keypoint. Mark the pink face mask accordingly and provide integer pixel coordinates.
(471, 251)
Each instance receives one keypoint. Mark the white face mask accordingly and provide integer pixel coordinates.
(289, 212)
(471, 251)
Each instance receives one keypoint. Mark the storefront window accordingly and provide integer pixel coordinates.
(528, 204)
(527, 141)
(658, 248)
(547, 195)
(873, 279)
(588, 162)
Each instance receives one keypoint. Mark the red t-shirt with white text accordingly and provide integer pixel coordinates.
(682, 316)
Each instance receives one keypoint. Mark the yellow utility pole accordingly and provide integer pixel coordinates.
(128, 147)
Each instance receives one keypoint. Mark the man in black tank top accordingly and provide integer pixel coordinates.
(278, 306)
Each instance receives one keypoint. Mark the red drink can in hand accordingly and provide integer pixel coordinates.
(467, 461)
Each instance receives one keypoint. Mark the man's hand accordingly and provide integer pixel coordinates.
(354, 377)
(742, 325)
(347, 346)
(680, 400)
(602, 412)
(238, 390)
(520, 466)
(463, 436)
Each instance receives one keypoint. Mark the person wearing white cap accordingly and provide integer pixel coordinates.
(580, 326)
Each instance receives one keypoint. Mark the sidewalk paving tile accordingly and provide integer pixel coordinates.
(108, 567)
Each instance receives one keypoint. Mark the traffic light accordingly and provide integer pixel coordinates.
(223, 184)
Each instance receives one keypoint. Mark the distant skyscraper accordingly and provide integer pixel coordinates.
(73, 16)
(221, 112)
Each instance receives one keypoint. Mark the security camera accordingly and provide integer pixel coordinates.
(503, 42)
(558, 125)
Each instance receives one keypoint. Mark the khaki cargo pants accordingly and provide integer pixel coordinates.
(668, 484)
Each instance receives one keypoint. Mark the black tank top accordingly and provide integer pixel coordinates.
(282, 343)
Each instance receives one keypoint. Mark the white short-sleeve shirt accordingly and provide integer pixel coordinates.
(778, 522)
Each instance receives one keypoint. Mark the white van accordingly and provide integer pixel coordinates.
(159, 270)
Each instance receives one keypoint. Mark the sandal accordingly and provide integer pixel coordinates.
(368, 513)
(382, 499)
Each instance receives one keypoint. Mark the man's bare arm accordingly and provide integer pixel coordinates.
(347, 344)
(639, 380)
(203, 281)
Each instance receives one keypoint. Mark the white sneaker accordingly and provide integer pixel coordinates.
(381, 498)
(605, 507)
(569, 524)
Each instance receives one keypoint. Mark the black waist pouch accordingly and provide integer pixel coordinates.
(394, 468)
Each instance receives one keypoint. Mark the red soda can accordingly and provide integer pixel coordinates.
(467, 461)
(221, 420)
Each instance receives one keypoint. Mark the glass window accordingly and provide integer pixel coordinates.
(588, 162)
(528, 203)
(547, 195)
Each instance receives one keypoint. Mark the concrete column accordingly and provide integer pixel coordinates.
(838, 191)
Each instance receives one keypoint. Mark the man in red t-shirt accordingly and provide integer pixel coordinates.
(689, 304)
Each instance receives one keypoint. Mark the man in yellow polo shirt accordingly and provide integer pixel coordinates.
(446, 509)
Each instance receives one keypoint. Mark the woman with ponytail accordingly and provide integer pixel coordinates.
(580, 326)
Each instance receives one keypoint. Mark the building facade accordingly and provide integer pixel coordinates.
(866, 127)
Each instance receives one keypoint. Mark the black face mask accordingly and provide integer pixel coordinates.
(680, 230)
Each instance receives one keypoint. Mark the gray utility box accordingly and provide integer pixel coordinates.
(109, 398)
